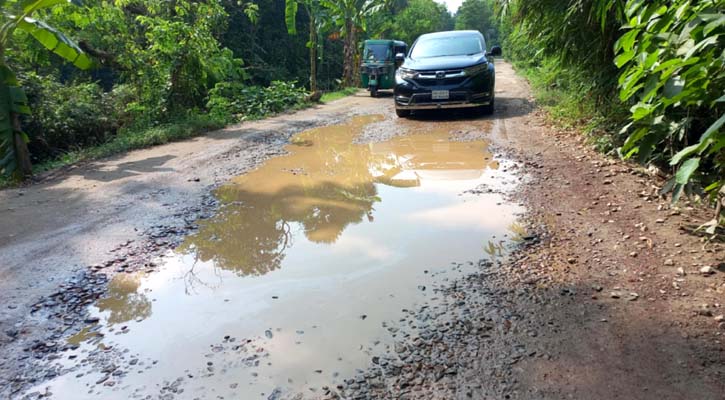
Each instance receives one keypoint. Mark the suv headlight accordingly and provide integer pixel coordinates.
(476, 69)
(404, 73)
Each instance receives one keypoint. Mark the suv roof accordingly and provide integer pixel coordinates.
(450, 34)
(386, 41)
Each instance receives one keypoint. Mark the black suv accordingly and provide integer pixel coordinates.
(446, 70)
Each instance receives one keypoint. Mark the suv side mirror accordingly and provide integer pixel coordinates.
(400, 57)
(495, 51)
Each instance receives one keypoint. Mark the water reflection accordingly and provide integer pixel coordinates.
(518, 231)
(124, 302)
(497, 249)
(324, 185)
(494, 249)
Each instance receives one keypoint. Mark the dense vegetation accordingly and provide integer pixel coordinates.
(646, 77)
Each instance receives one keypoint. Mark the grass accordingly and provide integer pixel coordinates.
(331, 96)
(571, 99)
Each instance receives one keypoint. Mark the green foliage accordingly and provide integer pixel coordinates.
(382, 25)
(349, 18)
(673, 68)
(655, 66)
(155, 60)
(69, 116)
(570, 98)
(290, 16)
(478, 15)
(237, 102)
(19, 15)
(167, 50)
(318, 23)
(574, 33)
(561, 47)
(422, 16)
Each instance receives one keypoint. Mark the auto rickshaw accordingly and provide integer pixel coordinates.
(379, 65)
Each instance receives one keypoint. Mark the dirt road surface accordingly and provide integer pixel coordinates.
(339, 252)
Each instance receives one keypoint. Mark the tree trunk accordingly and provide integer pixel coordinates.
(348, 68)
(355, 59)
(22, 155)
(313, 55)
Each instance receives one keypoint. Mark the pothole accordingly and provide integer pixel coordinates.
(294, 283)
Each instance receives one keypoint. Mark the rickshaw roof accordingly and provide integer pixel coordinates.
(386, 41)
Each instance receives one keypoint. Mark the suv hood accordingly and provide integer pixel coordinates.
(441, 63)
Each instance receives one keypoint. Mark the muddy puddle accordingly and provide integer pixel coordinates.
(296, 280)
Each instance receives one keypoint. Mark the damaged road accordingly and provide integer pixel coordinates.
(337, 254)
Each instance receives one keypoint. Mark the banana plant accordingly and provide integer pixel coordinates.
(19, 15)
(350, 17)
(317, 28)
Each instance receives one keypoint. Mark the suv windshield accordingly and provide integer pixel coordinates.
(447, 46)
(377, 52)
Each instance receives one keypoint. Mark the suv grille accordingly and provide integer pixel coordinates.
(440, 77)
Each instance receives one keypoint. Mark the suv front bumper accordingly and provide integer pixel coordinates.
(423, 101)
(475, 91)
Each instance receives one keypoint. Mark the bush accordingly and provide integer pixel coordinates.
(234, 101)
(655, 64)
(672, 67)
(70, 116)
(131, 138)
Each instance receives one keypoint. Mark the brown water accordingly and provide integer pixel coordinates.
(289, 286)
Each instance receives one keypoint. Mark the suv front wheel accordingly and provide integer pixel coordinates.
(402, 113)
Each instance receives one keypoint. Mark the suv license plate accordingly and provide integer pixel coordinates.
(440, 95)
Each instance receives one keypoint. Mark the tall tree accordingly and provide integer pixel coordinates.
(422, 16)
(174, 44)
(477, 15)
(382, 25)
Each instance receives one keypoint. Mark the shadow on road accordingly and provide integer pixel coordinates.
(591, 343)
(127, 169)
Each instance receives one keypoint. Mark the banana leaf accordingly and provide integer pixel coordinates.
(30, 6)
(56, 42)
(290, 16)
